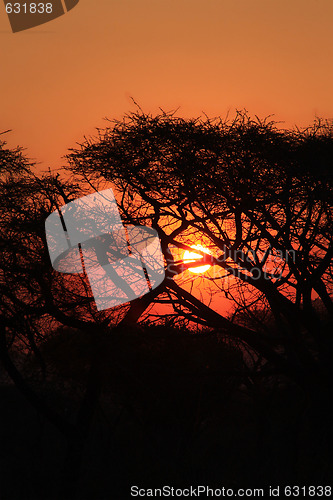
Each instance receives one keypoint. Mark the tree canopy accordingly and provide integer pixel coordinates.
(257, 196)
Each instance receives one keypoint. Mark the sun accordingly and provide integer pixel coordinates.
(193, 256)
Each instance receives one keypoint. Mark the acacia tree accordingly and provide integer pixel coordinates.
(258, 197)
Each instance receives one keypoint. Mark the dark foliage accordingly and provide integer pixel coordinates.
(119, 397)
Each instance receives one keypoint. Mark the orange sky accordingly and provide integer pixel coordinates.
(58, 81)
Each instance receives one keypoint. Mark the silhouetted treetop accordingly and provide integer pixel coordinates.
(253, 193)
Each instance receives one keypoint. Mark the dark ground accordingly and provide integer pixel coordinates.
(173, 411)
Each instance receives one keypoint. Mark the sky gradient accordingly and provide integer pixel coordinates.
(59, 81)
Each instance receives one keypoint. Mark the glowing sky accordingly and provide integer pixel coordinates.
(59, 80)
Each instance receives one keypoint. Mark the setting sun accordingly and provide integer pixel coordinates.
(193, 256)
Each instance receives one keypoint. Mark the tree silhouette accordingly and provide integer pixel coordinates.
(258, 197)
